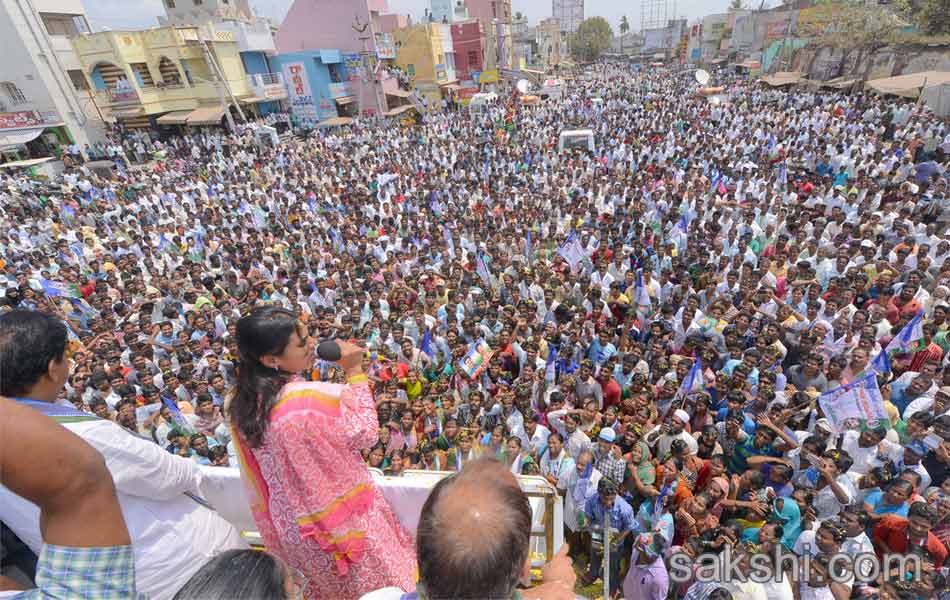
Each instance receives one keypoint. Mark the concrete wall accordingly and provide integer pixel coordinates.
(826, 63)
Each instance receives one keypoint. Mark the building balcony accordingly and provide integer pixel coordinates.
(268, 85)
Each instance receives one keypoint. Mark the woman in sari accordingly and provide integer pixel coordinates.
(312, 496)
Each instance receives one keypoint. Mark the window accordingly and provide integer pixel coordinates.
(59, 24)
(13, 93)
(79, 81)
(169, 3)
(494, 11)
(336, 73)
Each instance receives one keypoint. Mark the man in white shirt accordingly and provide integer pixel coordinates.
(173, 534)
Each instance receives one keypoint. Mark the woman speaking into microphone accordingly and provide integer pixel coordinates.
(299, 442)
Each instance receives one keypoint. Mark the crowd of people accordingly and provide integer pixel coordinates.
(548, 308)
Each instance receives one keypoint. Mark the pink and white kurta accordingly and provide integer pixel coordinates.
(315, 502)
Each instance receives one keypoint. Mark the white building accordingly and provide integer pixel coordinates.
(44, 96)
(570, 13)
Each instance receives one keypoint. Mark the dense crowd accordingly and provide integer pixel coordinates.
(548, 308)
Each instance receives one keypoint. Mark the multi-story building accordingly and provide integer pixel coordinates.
(442, 11)
(44, 96)
(496, 17)
(354, 28)
(254, 36)
(425, 52)
(569, 13)
(167, 75)
(468, 40)
(549, 42)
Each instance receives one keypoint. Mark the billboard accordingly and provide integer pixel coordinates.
(24, 118)
(385, 46)
(298, 87)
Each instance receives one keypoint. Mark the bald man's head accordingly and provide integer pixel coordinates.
(473, 534)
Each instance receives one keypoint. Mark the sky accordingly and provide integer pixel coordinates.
(122, 14)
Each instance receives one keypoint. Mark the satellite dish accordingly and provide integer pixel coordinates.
(523, 86)
(702, 77)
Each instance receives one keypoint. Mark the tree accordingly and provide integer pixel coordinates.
(624, 28)
(855, 27)
(737, 5)
(592, 38)
(932, 17)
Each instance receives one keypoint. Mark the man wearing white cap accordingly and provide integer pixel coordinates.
(662, 436)
(608, 458)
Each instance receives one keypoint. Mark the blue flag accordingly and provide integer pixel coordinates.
(177, 417)
(426, 345)
(527, 246)
(550, 367)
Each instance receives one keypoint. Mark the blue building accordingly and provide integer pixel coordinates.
(320, 84)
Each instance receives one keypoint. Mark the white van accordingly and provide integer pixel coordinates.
(552, 88)
(482, 100)
(576, 139)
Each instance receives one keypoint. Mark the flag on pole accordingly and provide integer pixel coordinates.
(909, 336)
(482, 269)
(572, 251)
(855, 406)
(55, 289)
(449, 242)
(550, 367)
(527, 246)
(177, 417)
(692, 383)
(641, 299)
(426, 344)
(166, 246)
(783, 175)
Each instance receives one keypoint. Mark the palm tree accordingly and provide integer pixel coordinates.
(624, 28)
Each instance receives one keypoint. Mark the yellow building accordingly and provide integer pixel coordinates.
(164, 76)
(426, 54)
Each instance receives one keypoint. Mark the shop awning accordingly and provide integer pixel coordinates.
(125, 113)
(782, 78)
(18, 138)
(398, 110)
(335, 122)
(909, 86)
(207, 115)
(399, 93)
(451, 86)
(343, 100)
(257, 100)
(30, 162)
(178, 117)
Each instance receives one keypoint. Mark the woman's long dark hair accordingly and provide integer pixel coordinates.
(265, 331)
(237, 574)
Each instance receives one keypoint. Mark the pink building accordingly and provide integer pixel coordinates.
(468, 38)
(391, 22)
(349, 26)
(495, 16)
